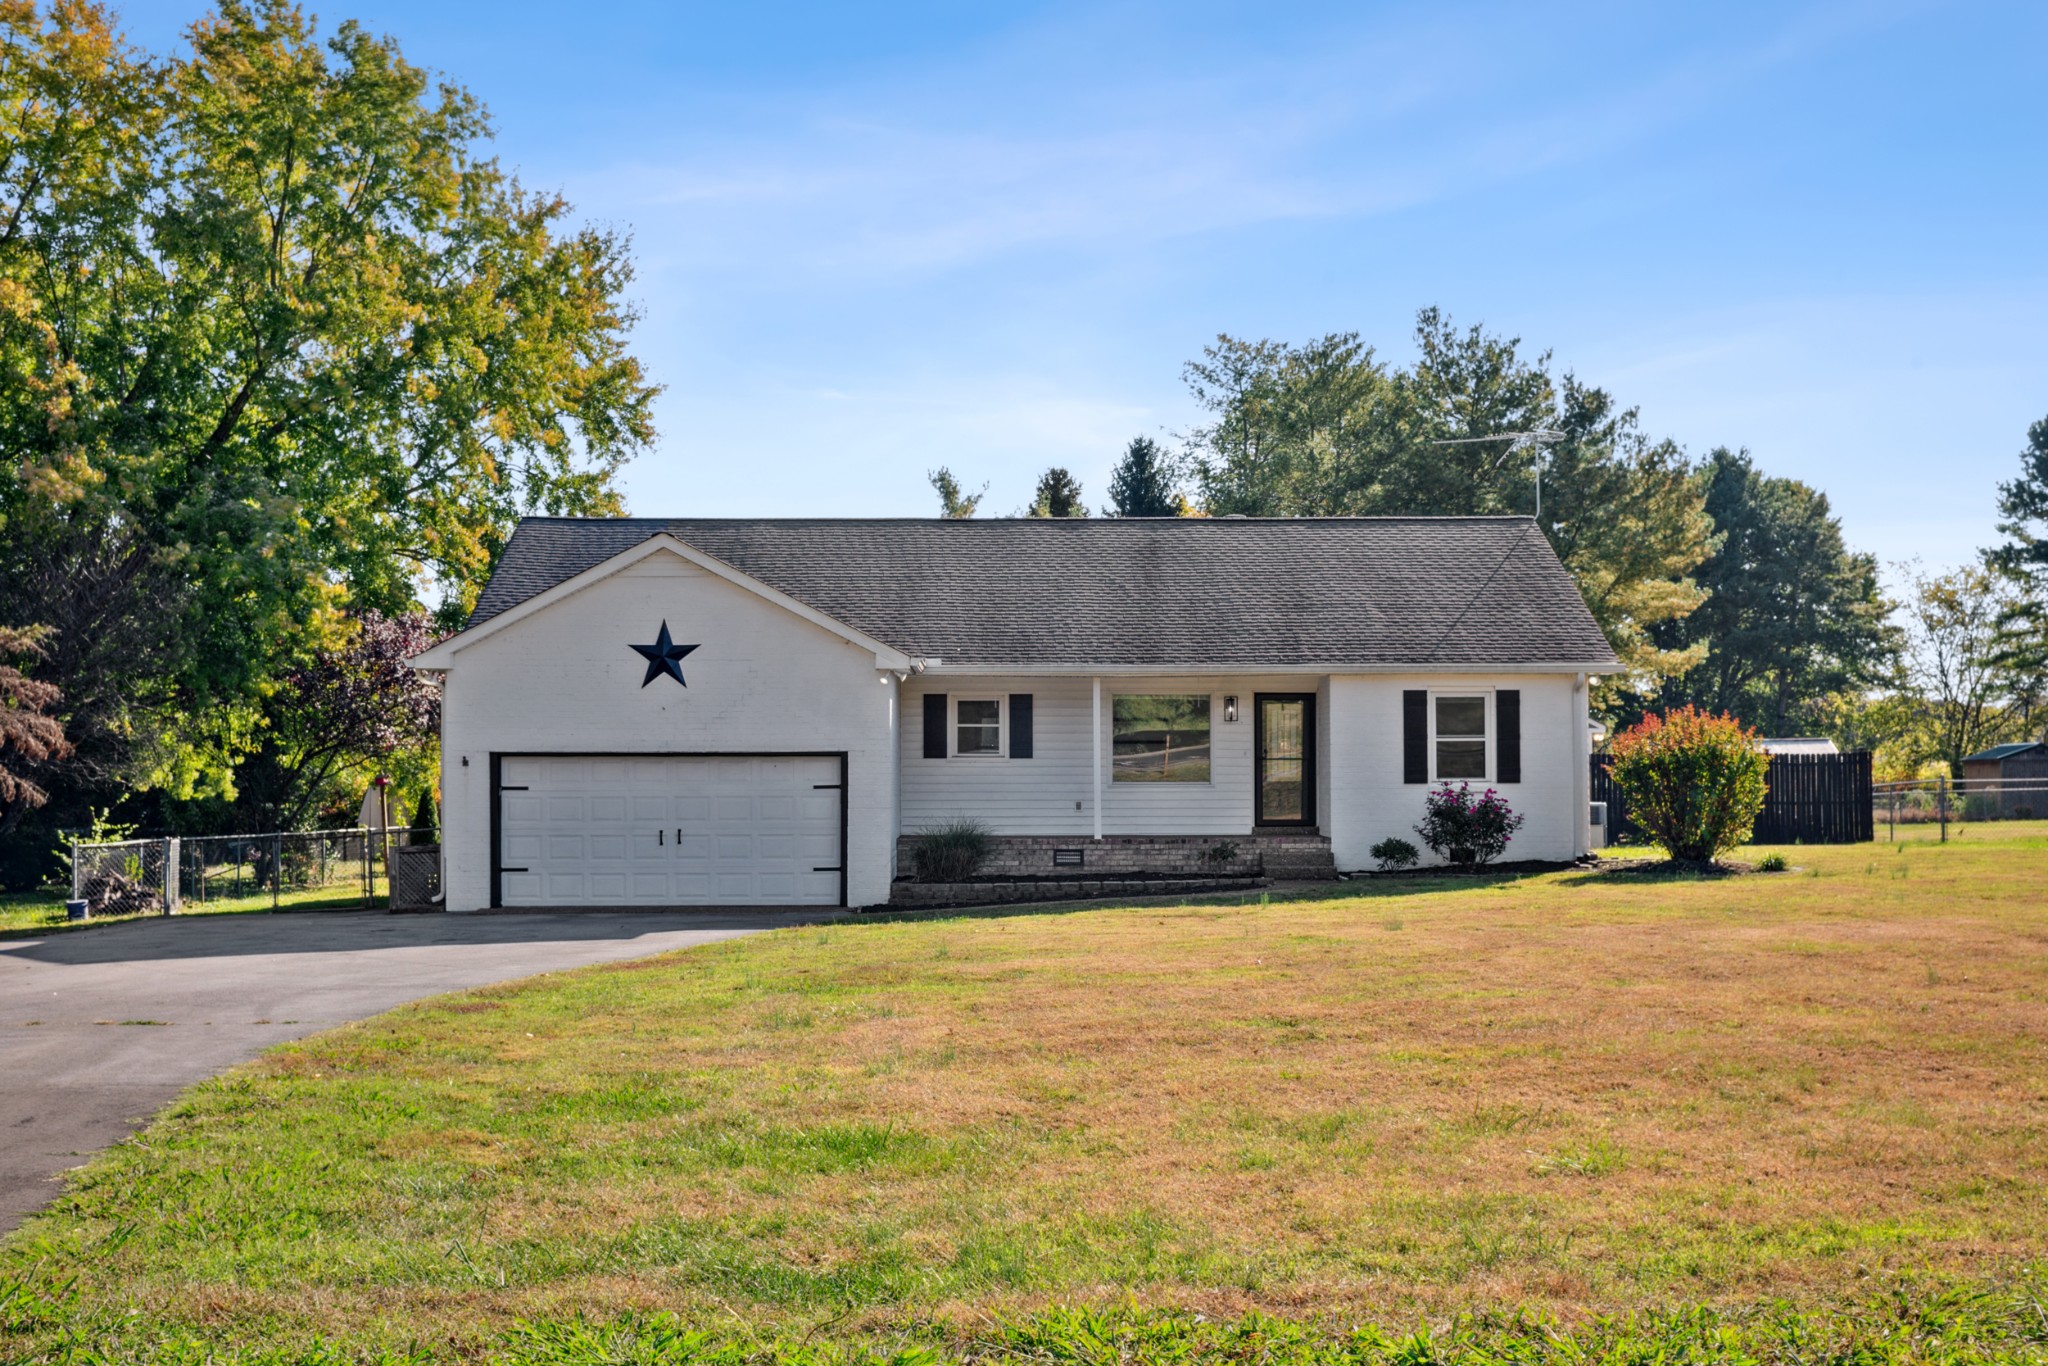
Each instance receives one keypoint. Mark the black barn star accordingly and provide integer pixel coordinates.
(662, 657)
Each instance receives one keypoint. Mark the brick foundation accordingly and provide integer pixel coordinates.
(1270, 855)
(918, 895)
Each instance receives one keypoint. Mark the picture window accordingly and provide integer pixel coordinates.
(1160, 739)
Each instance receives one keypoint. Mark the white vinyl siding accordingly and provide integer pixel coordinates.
(1050, 793)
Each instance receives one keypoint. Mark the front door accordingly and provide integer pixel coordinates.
(1284, 726)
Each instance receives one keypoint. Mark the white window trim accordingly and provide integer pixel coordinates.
(1002, 749)
(1492, 735)
(1110, 780)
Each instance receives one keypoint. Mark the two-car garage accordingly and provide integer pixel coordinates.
(669, 830)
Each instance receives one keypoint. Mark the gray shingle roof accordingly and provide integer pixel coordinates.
(1151, 591)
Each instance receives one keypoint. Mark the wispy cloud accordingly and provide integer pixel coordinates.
(902, 179)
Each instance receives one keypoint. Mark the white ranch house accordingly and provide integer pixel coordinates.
(650, 712)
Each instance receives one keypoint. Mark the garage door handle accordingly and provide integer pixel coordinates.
(661, 837)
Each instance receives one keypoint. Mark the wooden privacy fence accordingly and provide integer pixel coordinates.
(1812, 799)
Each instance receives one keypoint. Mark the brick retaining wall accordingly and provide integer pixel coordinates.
(919, 895)
(1288, 855)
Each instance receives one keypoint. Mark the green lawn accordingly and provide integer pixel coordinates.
(36, 913)
(1778, 1117)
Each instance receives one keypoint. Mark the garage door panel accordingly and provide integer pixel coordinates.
(670, 830)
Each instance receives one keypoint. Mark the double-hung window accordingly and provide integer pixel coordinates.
(1458, 738)
(978, 726)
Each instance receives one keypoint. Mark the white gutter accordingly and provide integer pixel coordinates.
(938, 669)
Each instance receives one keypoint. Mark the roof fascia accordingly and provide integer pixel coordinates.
(442, 656)
(937, 669)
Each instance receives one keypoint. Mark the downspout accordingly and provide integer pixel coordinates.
(1582, 768)
(1095, 803)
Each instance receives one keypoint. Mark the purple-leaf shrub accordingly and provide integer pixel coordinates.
(1466, 829)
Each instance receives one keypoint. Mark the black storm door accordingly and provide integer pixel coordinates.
(1284, 738)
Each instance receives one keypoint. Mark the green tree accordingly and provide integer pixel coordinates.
(278, 340)
(1327, 429)
(1792, 617)
(1058, 495)
(952, 501)
(2023, 519)
(2023, 509)
(1956, 669)
(1141, 485)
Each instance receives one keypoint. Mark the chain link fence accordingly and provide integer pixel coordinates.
(1946, 801)
(238, 872)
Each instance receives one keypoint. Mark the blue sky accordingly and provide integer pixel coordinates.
(873, 240)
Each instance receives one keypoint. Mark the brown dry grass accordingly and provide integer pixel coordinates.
(1574, 1091)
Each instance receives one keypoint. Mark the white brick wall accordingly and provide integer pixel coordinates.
(763, 680)
(1371, 802)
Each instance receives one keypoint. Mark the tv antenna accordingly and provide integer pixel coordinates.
(1535, 439)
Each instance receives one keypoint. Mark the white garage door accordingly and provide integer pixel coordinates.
(652, 831)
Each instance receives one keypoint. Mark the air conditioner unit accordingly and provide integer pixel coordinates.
(1596, 817)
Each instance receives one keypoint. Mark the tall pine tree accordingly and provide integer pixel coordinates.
(1142, 483)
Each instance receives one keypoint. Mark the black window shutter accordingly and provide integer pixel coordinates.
(934, 725)
(1507, 714)
(1020, 725)
(1414, 735)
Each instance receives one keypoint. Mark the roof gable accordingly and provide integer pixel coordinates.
(1130, 592)
(443, 654)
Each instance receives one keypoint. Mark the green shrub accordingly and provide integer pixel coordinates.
(1772, 863)
(1694, 781)
(1395, 853)
(950, 852)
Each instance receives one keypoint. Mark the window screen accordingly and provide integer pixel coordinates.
(1461, 737)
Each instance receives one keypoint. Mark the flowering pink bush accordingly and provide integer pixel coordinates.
(1466, 829)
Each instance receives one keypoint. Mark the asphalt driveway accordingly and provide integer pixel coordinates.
(100, 1028)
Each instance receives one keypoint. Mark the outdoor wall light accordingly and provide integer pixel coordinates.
(1230, 708)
